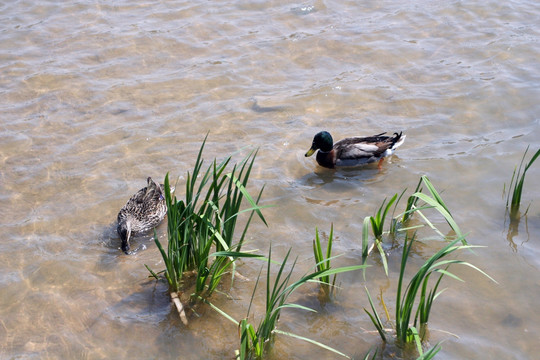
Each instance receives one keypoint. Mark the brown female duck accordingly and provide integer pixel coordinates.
(143, 211)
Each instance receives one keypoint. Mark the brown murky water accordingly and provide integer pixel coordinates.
(97, 96)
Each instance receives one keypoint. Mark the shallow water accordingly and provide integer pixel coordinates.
(96, 97)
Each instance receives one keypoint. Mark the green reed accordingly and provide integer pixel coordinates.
(412, 202)
(206, 219)
(398, 223)
(416, 295)
(255, 341)
(278, 291)
(414, 301)
(377, 221)
(377, 226)
(518, 185)
(375, 319)
(327, 286)
(430, 354)
(370, 356)
(434, 201)
(407, 297)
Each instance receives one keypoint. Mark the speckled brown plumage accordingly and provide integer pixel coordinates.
(143, 211)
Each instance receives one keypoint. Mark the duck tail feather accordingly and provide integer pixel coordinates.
(398, 139)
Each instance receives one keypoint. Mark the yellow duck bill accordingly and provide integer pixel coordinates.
(310, 152)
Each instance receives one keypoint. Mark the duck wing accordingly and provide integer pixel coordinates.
(142, 202)
(362, 147)
(153, 192)
(362, 150)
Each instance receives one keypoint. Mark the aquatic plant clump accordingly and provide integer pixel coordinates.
(205, 219)
(415, 300)
(322, 262)
(433, 200)
(254, 341)
(517, 189)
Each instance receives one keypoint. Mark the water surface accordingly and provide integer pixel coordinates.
(95, 97)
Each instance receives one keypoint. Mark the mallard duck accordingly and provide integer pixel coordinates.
(355, 150)
(143, 211)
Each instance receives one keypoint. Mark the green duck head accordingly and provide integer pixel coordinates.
(323, 141)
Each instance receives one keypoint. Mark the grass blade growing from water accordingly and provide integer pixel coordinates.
(518, 185)
(323, 263)
(255, 340)
(406, 298)
(375, 319)
(415, 299)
